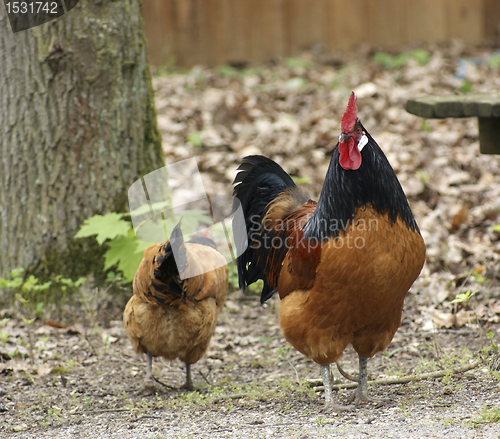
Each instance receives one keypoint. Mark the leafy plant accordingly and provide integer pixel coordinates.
(227, 70)
(124, 249)
(297, 63)
(30, 292)
(494, 61)
(390, 62)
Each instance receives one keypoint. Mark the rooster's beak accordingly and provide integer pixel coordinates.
(344, 137)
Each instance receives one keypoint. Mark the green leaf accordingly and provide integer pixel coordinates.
(389, 61)
(496, 228)
(16, 272)
(39, 309)
(105, 227)
(15, 283)
(21, 299)
(421, 56)
(125, 253)
(466, 86)
(195, 139)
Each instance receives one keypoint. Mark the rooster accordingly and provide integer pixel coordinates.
(343, 265)
(174, 309)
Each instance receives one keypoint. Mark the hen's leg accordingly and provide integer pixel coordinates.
(189, 382)
(150, 380)
(149, 369)
(327, 383)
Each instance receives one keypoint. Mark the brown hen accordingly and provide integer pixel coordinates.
(179, 289)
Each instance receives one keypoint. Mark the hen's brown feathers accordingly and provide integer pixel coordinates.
(178, 323)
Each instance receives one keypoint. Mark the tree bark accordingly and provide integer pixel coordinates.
(77, 128)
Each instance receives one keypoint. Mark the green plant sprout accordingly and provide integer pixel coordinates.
(464, 297)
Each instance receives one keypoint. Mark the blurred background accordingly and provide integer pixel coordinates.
(243, 32)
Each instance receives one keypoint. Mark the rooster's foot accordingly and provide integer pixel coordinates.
(361, 399)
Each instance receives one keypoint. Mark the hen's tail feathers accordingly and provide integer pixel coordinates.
(259, 181)
(170, 263)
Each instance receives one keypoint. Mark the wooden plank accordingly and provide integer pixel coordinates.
(267, 32)
(186, 32)
(305, 18)
(491, 19)
(387, 23)
(465, 20)
(327, 24)
(426, 21)
(489, 135)
(237, 28)
(213, 44)
(486, 105)
(159, 31)
(213, 32)
(351, 23)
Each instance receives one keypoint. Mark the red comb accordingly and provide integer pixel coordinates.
(350, 115)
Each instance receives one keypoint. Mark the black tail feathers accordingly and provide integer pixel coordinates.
(258, 183)
(172, 261)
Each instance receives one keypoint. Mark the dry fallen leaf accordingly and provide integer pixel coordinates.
(43, 369)
(443, 320)
(495, 307)
(460, 218)
(463, 317)
(108, 338)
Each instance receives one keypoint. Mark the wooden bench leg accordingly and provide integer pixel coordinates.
(489, 135)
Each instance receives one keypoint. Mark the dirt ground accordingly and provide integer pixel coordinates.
(91, 384)
(78, 376)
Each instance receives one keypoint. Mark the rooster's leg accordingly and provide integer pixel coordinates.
(327, 383)
(189, 382)
(360, 395)
(362, 390)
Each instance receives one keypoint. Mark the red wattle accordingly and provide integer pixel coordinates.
(350, 156)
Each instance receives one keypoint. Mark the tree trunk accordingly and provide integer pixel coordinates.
(77, 128)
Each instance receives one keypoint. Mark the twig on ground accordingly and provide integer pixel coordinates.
(231, 396)
(103, 411)
(402, 380)
(133, 363)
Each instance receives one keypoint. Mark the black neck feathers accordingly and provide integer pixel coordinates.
(374, 184)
